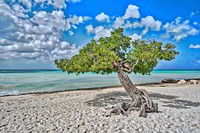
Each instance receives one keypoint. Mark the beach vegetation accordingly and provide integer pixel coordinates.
(118, 53)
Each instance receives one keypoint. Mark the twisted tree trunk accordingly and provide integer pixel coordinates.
(140, 97)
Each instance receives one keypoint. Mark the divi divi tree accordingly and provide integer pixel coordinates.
(117, 53)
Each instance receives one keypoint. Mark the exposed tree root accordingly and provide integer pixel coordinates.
(140, 97)
(141, 102)
(126, 108)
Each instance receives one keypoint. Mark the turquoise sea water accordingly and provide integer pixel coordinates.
(14, 82)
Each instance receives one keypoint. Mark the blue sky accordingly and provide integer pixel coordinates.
(34, 33)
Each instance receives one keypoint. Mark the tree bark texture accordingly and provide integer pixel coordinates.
(140, 97)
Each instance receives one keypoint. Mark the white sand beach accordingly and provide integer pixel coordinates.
(86, 110)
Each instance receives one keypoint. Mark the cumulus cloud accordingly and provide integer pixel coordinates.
(102, 17)
(99, 31)
(197, 46)
(5, 42)
(180, 29)
(56, 3)
(55, 20)
(65, 50)
(7, 27)
(119, 22)
(131, 12)
(26, 3)
(128, 24)
(89, 29)
(78, 19)
(128, 20)
(59, 4)
(136, 25)
(38, 36)
(38, 50)
(20, 11)
(150, 23)
(135, 37)
(6, 11)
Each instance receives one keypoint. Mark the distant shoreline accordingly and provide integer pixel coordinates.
(10, 71)
(95, 88)
(61, 70)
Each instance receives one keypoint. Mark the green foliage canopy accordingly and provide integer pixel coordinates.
(98, 56)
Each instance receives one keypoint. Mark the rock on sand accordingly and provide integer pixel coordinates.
(170, 80)
(193, 82)
(182, 82)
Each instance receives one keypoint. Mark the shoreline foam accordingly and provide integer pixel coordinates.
(100, 88)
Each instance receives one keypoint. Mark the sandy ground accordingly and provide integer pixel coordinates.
(85, 111)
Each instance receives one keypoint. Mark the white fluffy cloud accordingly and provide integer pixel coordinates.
(6, 11)
(56, 3)
(89, 29)
(135, 37)
(119, 22)
(37, 37)
(78, 19)
(59, 4)
(131, 12)
(197, 46)
(99, 31)
(64, 49)
(55, 20)
(136, 25)
(128, 24)
(128, 20)
(102, 17)
(20, 11)
(179, 30)
(50, 49)
(150, 23)
(26, 3)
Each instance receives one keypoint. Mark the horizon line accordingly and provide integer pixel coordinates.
(61, 70)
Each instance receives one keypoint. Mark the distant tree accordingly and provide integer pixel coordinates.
(118, 54)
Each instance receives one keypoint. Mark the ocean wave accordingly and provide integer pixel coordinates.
(9, 92)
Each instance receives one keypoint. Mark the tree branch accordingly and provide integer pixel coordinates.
(127, 67)
(125, 61)
(134, 64)
(127, 70)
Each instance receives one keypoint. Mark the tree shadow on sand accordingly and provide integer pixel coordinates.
(113, 98)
